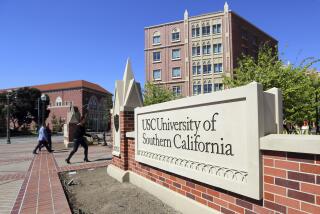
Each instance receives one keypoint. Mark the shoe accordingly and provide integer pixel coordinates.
(86, 160)
(34, 152)
(67, 161)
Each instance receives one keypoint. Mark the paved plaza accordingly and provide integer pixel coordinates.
(28, 139)
(30, 183)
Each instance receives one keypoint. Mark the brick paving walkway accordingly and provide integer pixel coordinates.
(30, 184)
(15, 160)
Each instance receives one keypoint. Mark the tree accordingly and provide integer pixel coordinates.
(315, 77)
(57, 124)
(296, 85)
(156, 94)
(2, 113)
(24, 106)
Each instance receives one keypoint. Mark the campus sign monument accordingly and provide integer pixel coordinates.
(211, 138)
(127, 96)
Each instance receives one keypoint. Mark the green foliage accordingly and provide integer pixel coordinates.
(156, 94)
(23, 106)
(297, 84)
(57, 124)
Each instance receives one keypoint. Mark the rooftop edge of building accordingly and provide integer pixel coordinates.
(64, 85)
(207, 14)
(180, 21)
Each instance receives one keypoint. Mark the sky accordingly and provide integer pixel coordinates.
(47, 41)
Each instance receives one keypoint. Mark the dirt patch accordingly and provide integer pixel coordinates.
(94, 191)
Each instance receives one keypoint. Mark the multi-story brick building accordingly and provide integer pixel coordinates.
(88, 97)
(192, 55)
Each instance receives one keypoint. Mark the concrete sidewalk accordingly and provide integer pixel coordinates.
(30, 183)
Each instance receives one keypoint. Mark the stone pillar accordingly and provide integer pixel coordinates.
(73, 117)
(127, 96)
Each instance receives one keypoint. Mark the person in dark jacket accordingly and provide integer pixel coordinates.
(78, 139)
(42, 140)
(49, 133)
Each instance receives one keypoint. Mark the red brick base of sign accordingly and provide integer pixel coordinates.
(291, 181)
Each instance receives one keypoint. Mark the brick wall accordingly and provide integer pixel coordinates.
(291, 181)
(126, 125)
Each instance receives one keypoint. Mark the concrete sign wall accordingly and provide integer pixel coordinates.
(127, 96)
(212, 138)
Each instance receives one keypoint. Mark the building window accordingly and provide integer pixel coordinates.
(157, 74)
(195, 32)
(58, 101)
(217, 48)
(93, 103)
(176, 90)
(196, 51)
(218, 86)
(207, 69)
(196, 88)
(217, 68)
(176, 72)
(196, 69)
(175, 36)
(206, 49)
(255, 41)
(244, 34)
(207, 87)
(216, 29)
(245, 50)
(156, 56)
(205, 30)
(156, 38)
(175, 53)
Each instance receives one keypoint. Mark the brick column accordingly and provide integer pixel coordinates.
(126, 125)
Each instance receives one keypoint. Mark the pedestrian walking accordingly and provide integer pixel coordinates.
(49, 133)
(42, 140)
(78, 139)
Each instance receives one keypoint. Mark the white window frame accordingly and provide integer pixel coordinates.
(213, 49)
(198, 70)
(196, 84)
(175, 40)
(206, 27)
(217, 84)
(58, 101)
(216, 33)
(159, 55)
(156, 34)
(175, 77)
(207, 65)
(153, 74)
(195, 32)
(176, 49)
(217, 64)
(206, 86)
(175, 91)
(197, 53)
(206, 47)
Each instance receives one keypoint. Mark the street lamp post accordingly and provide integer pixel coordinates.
(39, 119)
(8, 118)
(43, 99)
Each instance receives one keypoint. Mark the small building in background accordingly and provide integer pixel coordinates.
(88, 97)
